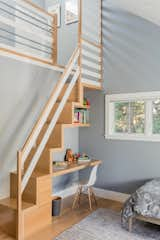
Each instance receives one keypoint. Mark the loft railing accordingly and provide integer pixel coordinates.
(91, 62)
(28, 31)
(30, 143)
(90, 40)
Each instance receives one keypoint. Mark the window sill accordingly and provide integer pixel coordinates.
(142, 138)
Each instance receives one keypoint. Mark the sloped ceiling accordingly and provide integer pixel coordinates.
(148, 9)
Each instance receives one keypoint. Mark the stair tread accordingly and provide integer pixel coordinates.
(77, 104)
(56, 149)
(12, 203)
(74, 124)
(35, 174)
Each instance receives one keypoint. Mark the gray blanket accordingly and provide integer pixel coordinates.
(145, 201)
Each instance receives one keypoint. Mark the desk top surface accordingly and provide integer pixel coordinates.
(58, 171)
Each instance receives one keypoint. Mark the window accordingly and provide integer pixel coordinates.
(129, 117)
(133, 116)
(156, 116)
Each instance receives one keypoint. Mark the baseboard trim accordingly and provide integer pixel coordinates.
(67, 192)
(111, 195)
(99, 192)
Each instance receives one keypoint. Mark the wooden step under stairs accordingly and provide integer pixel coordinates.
(37, 196)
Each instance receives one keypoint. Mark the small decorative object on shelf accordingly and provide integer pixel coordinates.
(86, 102)
(60, 164)
(69, 156)
(81, 116)
(83, 157)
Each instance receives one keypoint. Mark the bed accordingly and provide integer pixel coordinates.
(144, 205)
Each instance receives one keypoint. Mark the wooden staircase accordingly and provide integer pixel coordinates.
(37, 196)
(28, 208)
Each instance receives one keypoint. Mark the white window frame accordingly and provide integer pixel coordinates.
(148, 98)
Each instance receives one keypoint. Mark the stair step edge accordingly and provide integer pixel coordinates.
(12, 203)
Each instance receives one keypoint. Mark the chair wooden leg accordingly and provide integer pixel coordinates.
(76, 198)
(94, 197)
(89, 198)
(79, 196)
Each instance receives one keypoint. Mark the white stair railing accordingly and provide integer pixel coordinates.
(91, 63)
(51, 102)
(36, 131)
(90, 39)
(28, 31)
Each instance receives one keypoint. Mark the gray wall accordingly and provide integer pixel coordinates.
(71, 140)
(90, 20)
(41, 3)
(24, 89)
(131, 64)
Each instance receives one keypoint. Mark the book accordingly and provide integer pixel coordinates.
(81, 116)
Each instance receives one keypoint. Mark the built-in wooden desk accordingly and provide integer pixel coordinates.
(58, 171)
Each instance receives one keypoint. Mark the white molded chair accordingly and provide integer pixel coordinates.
(87, 187)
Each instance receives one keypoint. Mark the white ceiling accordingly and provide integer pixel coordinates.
(148, 9)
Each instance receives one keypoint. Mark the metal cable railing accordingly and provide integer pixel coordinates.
(28, 30)
(26, 14)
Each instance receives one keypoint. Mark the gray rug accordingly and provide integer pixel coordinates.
(104, 224)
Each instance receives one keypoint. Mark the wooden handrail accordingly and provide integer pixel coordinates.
(92, 43)
(37, 7)
(35, 131)
(23, 55)
(49, 130)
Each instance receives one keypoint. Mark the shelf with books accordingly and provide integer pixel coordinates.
(81, 116)
(81, 124)
(81, 106)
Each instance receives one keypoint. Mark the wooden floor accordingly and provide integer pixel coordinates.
(68, 218)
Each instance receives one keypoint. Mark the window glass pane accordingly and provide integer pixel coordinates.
(137, 117)
(156, 116)
(121, 117)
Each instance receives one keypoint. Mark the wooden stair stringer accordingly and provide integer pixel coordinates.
(70, 124)
(40, 184)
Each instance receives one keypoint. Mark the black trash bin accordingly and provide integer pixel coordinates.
(56, 206)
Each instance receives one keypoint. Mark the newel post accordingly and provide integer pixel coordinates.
(20, 229)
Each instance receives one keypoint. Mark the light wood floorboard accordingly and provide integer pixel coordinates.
(69, 217)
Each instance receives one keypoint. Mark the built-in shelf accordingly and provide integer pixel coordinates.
(81, 124)
(82, 106)
(81, 115)
(74, 167)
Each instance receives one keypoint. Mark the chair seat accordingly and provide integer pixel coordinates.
(83, 182)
